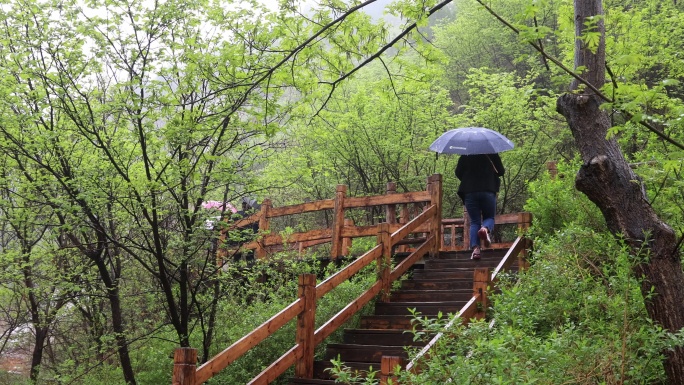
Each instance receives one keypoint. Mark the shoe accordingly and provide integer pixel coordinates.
(476, 253)
(483, 233)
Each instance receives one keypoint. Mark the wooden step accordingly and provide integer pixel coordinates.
(437, 284)
(424, 308)
(363, 353)
(310, 381)
(443, 273)
(399, 322)
(465, 254)
(438, 264)
(386, 337)
(431, 295)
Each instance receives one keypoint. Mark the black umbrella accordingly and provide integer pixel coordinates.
(471, 141)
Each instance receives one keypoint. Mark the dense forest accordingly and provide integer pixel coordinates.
(120, 118)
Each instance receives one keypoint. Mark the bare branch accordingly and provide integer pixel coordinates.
(382, 50)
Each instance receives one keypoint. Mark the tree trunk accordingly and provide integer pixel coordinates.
(609, 182)
(37, 354)
(117, 319)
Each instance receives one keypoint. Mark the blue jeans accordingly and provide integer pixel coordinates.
(481, 208)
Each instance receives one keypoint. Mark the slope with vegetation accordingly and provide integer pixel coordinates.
(119, 118)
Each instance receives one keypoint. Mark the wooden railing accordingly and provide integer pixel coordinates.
(428, 223)
(453, 235)
(456, 235)
(399, 209)
(483, 282)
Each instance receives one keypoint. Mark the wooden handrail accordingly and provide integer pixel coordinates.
(241, 346)
(339, 230)
(425, 221)
(522, 220)
(324, 204)
(511, 256)
(404, 265)
(466, 312)
(278, 367)
(428, 222)
(413, 224)
(334, 280)
(469, 310)
(318, 236)
(343, 315)
(392, 199)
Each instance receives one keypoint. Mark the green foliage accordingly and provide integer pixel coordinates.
(375, 129)
(116, 126)
(576, 316)
(264, 290)
(591, 34)
(662, 177)
(12, 378)
(361, 245)
(555, 203)
(345, 375)
(511, 105)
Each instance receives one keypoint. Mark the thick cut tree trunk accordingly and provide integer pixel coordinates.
(609, 182)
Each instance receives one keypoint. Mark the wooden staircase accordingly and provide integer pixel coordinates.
(443, 284)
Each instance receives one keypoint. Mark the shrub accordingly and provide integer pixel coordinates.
(572, 319)
(555, 203)
(258, 299)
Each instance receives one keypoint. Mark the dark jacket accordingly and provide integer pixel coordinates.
(479, 173)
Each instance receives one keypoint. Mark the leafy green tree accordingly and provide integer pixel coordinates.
(130, 120)
(514, 107)
(32, 267)
(474, 39)
(608, 181)
(375, 129)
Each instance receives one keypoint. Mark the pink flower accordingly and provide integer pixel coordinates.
(218, 206)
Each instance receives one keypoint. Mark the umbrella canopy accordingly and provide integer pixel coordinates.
(471, 141)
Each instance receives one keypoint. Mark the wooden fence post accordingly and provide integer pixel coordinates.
(221, 252)
(264, 226)
(481, 281)
(403, 219)
(338, 222)
(385, 261)
(306, 325)
(452, 246)
(388, 364)
(347, 241)
(391, 210)
(435, 188)
(466, 229)
(184, 366)
(552, 168)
